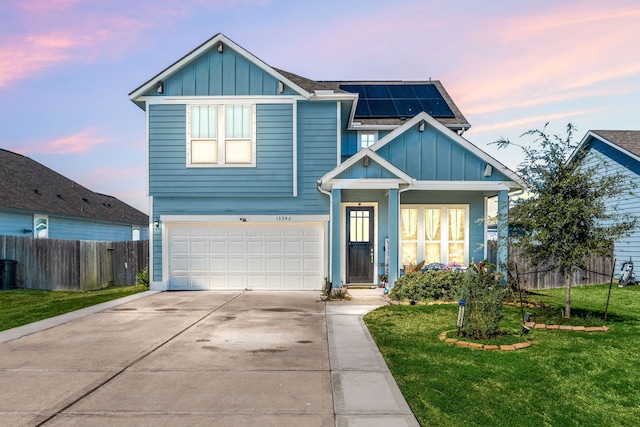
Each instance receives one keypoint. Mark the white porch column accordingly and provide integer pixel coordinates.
(336, 241)
(394, 208)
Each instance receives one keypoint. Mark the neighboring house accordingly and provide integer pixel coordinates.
(262, 179)
(619, 151)
(39, 202)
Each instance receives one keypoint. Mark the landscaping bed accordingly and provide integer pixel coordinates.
(566, 376)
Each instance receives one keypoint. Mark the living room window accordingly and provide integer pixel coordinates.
(220, 135)
(436, 234)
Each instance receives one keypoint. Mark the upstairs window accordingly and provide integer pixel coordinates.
(366, 139)
(220, 135)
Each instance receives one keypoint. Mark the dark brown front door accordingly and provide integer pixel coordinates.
(360, 244)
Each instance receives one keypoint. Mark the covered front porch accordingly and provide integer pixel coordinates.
(380, 226)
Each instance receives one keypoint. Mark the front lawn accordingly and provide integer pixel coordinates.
(21, 306)
(565, 378)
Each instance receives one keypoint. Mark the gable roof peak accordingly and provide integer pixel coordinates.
(219, 41)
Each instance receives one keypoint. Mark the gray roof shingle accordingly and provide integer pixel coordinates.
(626, 139)
(30, 186)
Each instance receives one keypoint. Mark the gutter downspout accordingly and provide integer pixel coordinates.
(328, 193)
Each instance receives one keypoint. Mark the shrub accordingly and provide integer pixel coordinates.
(430, 285)
(483, 294)
(143, 278)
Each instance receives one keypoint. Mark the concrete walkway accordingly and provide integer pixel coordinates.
(202, 358)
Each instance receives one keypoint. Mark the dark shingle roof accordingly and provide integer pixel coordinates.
(626, 139)
(308, 84)
(28, 185)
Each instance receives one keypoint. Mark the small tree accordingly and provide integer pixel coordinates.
(483, 294)
(566, 219)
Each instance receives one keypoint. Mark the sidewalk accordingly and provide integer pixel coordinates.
(364, 391)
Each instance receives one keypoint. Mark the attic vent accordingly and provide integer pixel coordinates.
(106, 205)
(59, 196)
(35, 190)
(85, 199)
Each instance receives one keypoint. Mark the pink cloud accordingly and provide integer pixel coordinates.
(85, 38)
(536, 121)
(109, 173)
(559, 54)
(77, 143)
(42, 5)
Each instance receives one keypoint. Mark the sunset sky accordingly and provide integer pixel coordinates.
(67, 66)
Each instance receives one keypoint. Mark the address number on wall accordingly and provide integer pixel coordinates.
(284, 218)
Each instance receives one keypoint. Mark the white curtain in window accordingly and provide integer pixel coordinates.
(204, 121)
(409, 223)
(431, 223)
(238, 121)
(456, 224)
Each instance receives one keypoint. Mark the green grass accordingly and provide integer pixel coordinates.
(565, 379)
(21, 306)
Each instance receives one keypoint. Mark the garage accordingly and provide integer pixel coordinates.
(233, 256)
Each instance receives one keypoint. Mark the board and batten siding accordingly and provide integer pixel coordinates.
(434, 156)
(610, 160)
(271, 177)
(220, 74)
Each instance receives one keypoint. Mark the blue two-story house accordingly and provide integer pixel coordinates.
(262, 179)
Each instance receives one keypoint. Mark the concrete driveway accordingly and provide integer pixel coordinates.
(203, 358)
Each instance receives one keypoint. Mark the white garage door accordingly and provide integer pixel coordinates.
(246, 256)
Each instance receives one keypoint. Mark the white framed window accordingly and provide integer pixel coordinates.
(366, 138)
(40, 226)
(221, 135)
(434, 233)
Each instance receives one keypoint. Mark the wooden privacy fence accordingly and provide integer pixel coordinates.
(76, 265)
(598, 271)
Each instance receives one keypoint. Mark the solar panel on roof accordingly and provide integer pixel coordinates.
(407, 107)
(362, 109)
(402, 91)
(382, 108)
(377, 92)
(398, 100)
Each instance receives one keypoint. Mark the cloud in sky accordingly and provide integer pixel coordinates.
(534, 121)
(548, 55)
(77, 143)
(48, 37)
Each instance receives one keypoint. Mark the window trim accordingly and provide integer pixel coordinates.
(362, 133)
(37, 217)
(444, 233)
(221, 138)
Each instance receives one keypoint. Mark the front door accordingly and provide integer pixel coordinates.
(360, 247)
